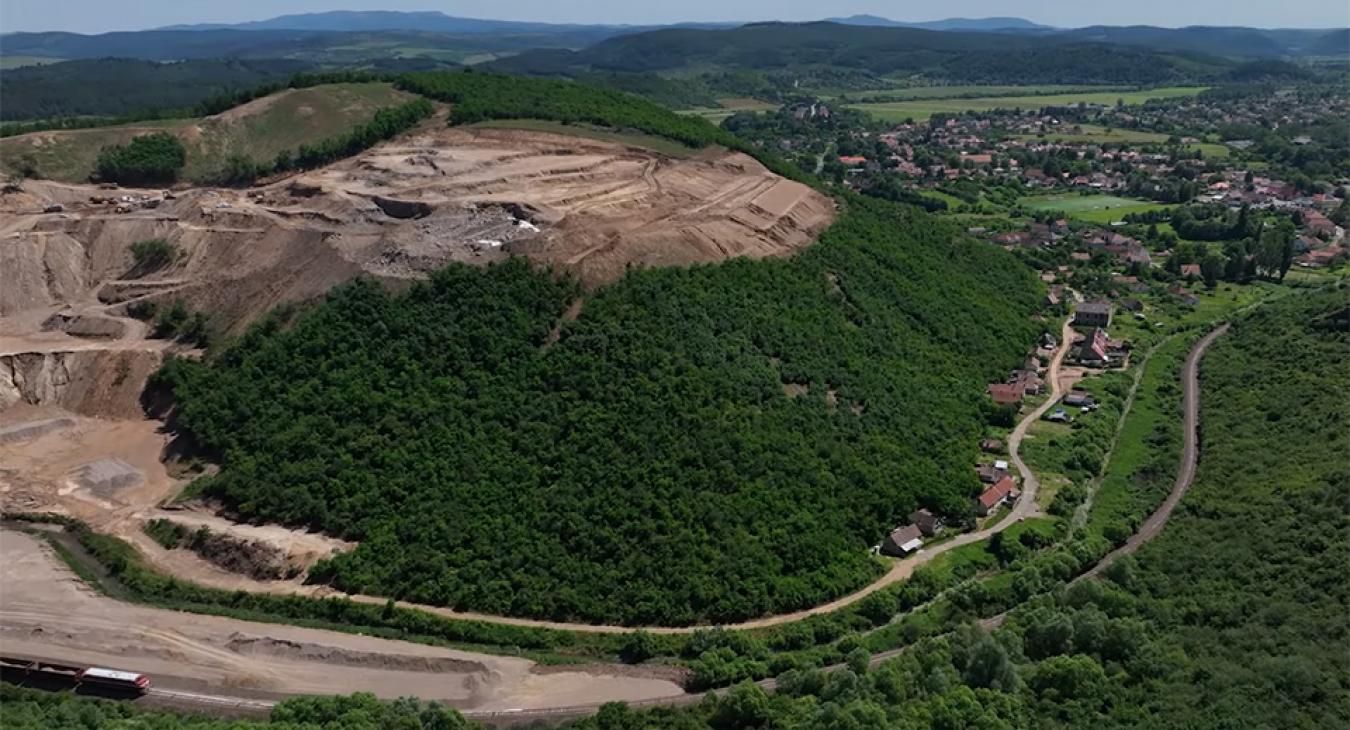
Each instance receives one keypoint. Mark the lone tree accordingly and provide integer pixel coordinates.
(152, 159)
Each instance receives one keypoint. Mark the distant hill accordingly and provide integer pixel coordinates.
(978, 24)
(326, 46)
(258, 130)
(113, 87)
(951, 55)
(431, 22)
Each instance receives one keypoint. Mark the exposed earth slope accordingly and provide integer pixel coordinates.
(399, 211)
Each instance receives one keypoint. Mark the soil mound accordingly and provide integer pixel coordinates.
(283, 649)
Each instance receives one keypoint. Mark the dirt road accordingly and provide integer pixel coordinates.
(1185, 472)
(46, 612)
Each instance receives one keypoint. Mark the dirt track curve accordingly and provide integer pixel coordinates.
(221, 703)
(1190, 451)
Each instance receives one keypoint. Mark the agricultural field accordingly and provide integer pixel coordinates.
(920, 109)
(730, 106)
(969, 91)
(1094, 134)
(259, 130)
(9, 62)
(1092, 208)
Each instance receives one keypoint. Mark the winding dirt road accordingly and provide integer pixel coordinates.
(216, 701)
(1190, 451)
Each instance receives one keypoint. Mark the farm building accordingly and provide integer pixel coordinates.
(902, 541)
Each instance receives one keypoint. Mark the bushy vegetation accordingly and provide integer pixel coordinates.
(176, 322)
(27, 709)
(647, 468)
(152, 159)
(152, 254)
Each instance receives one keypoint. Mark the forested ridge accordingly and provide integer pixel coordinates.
(1233, 617)
(649, 467)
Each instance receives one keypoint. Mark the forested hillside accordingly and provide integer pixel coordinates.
(704, 444)
(120, 86)
(953, 56)
(1234, 617)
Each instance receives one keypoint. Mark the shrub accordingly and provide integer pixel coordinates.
(153, 254)
(152, 159)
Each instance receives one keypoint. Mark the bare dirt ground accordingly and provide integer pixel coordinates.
(399, 210)
(45, 611)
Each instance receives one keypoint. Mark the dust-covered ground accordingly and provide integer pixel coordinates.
(398, 211)
(46, 612)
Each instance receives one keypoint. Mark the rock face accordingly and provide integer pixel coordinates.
(91, 383)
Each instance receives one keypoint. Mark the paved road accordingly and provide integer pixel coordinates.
(1186, 471)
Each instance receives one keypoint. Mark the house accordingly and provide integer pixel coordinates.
(902, 541)
(990, 473)
(991, 446)
(1080, 399)
(1318, 224)
(1132, 305)
(1028, 380)
(1005, 394)
(1001, 492)
(1320, 259)
(1190, 271)
(1093, 351)
(927, 522)
(1093, 314)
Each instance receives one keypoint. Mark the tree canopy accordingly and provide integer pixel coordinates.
(702, 444)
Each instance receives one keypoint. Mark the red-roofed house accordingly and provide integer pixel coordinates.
(1190, 271)
(1002, 491)
(1005, 394)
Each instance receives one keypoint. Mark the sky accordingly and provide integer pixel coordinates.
(98, 16)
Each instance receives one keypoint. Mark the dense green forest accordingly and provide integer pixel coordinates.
(649, 467)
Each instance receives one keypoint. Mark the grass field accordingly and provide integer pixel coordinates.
(968, 91)
(730, 106)
(258, 130)
(8, 62)
(920, 109)
(1093, 134)
(1092, 208)
(636, 139)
